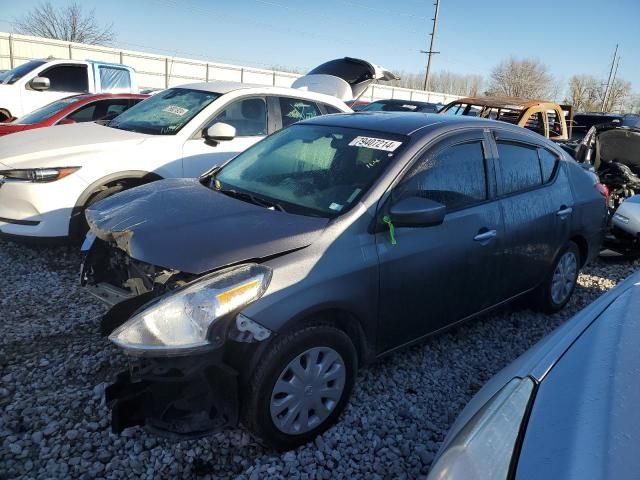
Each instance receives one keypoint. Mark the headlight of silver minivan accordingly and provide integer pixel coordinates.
(485, 446)
(181, 322)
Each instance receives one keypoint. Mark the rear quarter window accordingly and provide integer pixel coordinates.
(294, 109)
(548, 164)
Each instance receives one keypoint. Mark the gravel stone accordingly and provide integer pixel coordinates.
(55, 367)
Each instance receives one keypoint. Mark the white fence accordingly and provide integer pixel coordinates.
(159, 71)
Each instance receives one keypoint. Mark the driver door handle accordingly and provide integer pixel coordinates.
(564, 212)
(484, 236)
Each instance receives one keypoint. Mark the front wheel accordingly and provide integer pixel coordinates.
(301, 385)
(556, 290)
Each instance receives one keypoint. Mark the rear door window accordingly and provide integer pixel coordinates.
(454, 176)
(519, 167)
(293, 110)
(114, 79)
(67, 78)
(85, 113)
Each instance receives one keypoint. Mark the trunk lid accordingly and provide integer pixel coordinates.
(346, 78)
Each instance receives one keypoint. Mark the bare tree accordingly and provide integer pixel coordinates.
(619, 93)
(527, 78)
(443, 82)
(584, 93)
(70, 23)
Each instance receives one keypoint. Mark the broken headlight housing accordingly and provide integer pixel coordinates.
(186, 320)
(38, 175)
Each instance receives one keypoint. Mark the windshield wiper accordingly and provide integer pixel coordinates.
(252, 199)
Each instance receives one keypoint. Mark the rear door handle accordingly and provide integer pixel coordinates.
(484, 236)
(564, 212)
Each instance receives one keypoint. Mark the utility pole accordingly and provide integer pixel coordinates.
(613, 84)
(606, 90)
(430, 52)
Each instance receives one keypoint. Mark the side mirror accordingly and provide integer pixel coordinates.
(40, 83)
(66, 121)
(417, 212)
(219, 132)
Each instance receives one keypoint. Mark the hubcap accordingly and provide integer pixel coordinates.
(307, 390)
(564, 277)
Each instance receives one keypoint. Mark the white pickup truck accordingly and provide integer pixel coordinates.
(40, 82)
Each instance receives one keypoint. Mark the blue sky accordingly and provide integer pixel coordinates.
(570, 36)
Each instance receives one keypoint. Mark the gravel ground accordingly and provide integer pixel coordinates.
(54, 365)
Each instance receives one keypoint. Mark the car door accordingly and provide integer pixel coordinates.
(434, 276)
(248, 115)
(64, 80)
(537, 204)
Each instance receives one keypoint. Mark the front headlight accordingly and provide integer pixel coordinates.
(38, 175)
(485, 446)
(181, 321)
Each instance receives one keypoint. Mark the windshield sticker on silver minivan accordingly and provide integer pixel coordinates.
(375, 143)
(175, 110)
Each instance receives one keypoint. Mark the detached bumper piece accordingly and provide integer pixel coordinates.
(174, 399)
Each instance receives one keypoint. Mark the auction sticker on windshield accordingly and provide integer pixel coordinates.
(375, 143)
(175, 110)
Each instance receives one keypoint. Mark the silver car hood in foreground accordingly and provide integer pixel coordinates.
(593, 322)
(585, 421)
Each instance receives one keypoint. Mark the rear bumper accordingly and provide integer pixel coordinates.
(178, 397)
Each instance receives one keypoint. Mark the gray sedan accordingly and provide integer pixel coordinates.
(566, 410)
(253, 293)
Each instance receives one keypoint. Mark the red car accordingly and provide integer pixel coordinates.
(74, 109)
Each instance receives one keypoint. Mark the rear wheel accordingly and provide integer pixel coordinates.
(554, 293)
(301, 385)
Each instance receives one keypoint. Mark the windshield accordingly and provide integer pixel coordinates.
(165, 113)
(462, 109)
(43, 113)
(310, 169)
(12, 76)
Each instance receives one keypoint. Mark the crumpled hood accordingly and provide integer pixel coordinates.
(181, 224)
(45, 147)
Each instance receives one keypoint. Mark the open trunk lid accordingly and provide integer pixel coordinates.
(346, 78)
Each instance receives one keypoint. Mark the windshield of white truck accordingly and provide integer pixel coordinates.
(164, 113)
(15, 74)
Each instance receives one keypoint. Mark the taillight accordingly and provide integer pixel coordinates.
(602, 188)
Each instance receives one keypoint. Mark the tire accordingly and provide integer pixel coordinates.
(4, 116)
(556, 290)
(79, 227)
(278, 418)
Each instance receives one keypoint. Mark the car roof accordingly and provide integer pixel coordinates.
(398, 101)
(104, 96)
(401, 123)
(218, 86)
(501, 102)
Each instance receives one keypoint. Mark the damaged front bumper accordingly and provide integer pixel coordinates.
(183, 397)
